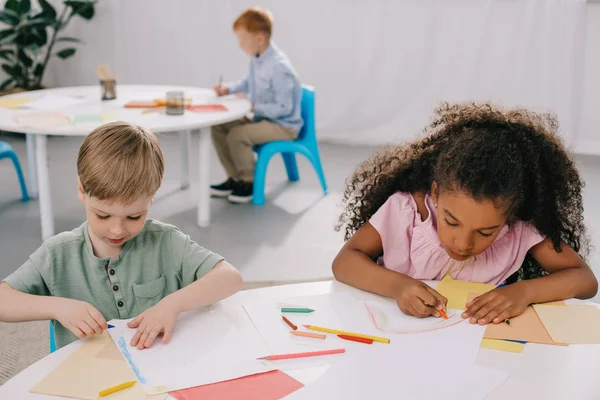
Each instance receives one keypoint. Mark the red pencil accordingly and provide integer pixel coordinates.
(356, 339)
(298, 355)
(287, 321)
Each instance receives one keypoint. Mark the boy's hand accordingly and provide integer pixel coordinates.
(221, 90)
(81, 318)
(418, 299)
(152, 322)
(497, 305)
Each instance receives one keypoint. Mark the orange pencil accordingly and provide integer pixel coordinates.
(443, 314)
(356, 339)
(308, 334)
(287, 321)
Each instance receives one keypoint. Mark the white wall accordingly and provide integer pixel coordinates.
(366, 59)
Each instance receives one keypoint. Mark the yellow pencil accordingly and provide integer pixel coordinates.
(117, 388)
(336, 332)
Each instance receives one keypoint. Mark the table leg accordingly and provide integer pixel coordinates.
(186, 142)
(203, 190)
(45, 196)
(32, 184)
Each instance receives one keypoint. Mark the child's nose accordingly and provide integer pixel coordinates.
(117, 229)
(463, 243)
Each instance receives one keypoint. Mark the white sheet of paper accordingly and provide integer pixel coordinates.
(207, 342)
(401, 378)
(342, 311)
(51, 102)
(335, 311)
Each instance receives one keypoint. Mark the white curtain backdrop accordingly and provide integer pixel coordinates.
(379, 67)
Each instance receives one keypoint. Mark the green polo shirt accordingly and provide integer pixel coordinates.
(157, 262)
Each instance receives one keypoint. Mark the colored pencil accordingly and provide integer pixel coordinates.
(299, 355)
(287, 321)
(297, 310)
(356, 339)
(110, 326)
(117, 388)
(308, 334)
(337, 332)
(443, 314)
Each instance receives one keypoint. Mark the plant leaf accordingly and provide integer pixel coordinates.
(84, 9)
(6, 54)
(8, 35)
(37, 71)
(12, 70)
(41, 21)
(13, 5)
(10, 17)
(68, 39)
(6, 83)
(40, 37)
(25, 6)
(24, 59)
(48, 9)
(66, 53)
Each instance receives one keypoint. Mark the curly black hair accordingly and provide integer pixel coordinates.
(512, 155)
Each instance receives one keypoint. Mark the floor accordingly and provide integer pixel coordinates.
(290, 239)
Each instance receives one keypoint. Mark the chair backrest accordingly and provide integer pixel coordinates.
(307, 111)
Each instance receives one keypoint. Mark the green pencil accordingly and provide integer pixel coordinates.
(297, 310)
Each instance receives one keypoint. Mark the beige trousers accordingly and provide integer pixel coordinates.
(234, 140)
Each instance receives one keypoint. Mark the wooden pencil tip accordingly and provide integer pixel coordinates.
(306, 326)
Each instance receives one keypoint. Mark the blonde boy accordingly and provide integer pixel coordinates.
(275, 92)
(117, 264)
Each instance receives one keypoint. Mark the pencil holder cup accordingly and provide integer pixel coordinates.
(175, 103)
(109, 89)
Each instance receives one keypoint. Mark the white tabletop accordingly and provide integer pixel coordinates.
(85, 100)
(539, 372)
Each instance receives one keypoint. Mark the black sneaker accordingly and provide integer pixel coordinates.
(224, 189)
(242, 193)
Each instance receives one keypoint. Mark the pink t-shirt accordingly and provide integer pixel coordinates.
(412, 246)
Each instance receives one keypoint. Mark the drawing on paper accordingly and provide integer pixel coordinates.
(388, 318)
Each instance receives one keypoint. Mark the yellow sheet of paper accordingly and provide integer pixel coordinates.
(502, 345)
(95, 366)
(13, 103)
(457, 292)
(573, 324)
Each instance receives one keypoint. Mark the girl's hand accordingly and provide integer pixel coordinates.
(418, 299)
(81, 318)
(157, 320)
(497, 305)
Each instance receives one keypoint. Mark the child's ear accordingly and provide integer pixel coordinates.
(80, 191)
(434, 192)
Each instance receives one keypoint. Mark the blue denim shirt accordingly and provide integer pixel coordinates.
(274, 88)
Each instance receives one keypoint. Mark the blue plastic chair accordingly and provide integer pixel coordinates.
(305, 144)
(6, 151)
(52, 341)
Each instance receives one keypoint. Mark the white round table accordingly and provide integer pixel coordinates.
(83, 104)
(539, 372)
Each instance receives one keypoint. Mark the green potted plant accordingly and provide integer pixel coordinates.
(31, 38)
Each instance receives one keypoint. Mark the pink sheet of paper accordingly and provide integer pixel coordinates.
(272, 385)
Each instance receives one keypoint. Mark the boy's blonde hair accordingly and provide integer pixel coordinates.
(120, 161)
(254, 20)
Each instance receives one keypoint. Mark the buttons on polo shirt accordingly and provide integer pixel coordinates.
(112, 272)
(116, 288)
(120, 303)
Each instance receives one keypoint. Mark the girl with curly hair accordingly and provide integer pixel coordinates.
(488, 195)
